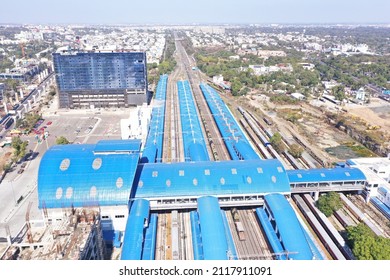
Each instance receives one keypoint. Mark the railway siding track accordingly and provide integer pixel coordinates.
(372, 213)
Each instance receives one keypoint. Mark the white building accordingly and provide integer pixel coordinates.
(137, 125)
(218, 79)
(361, 94)
(377, 172)
(298, 95)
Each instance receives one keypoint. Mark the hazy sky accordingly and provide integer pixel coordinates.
(190, 11)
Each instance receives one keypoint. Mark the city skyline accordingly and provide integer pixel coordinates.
(196, 12)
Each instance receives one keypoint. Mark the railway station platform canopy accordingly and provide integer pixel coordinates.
(332, 178)
(135, 228)
(233, 182)
(290, 231)
(109, 173)
(88, 174)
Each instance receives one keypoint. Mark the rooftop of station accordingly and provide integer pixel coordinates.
(109, 173)
(87, 174)
(325, 175)
(211, 178)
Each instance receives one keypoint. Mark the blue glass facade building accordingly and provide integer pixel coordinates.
(98, 79)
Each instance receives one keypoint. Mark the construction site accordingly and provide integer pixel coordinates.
(77, 237)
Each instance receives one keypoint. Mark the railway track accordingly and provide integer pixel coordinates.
(186, 236)
(174, 237)
(375, 216)
(330, 243)
(260, 149)
(215, 145)
(173, 146)
(160, 237)
(167, 153)
(255, 246)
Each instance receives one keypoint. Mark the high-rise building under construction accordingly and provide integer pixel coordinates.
(100, 79)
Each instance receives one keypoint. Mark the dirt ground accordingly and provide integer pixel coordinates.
(323, 137)
(5, 154)
(375, 113)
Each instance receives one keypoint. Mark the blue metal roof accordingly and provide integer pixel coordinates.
(154, 141)
(77, 175)
(190, 125)
(292, 234)
(210, 178)
(117, 146)
(149, 249)
(212, 230)
(196, 236)
(245, 150)
(135, 230)
(232, 252)
(198, 152)
(273, 239)
(227, 125)
(325, 175)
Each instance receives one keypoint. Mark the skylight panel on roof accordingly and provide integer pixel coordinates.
(65, 163)
(69, 192)
(119, 182)
(59, 193)
(97, 163)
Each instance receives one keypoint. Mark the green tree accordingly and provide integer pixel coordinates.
(295, 150)
(19, 147)
(339, 92)
(62, 141)
(329, 203)
(30, 119)
(366, 245)
(236, 87)
(277, 143)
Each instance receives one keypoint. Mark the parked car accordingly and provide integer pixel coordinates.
(21, 170)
